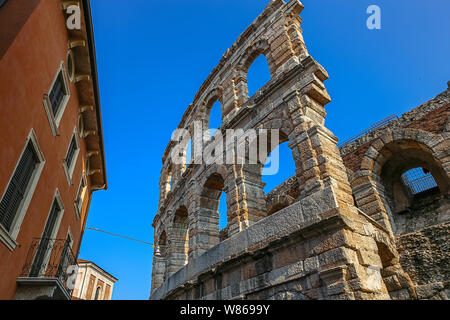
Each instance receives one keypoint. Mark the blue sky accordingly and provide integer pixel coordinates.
(154, 55)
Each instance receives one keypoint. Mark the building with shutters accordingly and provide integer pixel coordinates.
(51, 144)
(93, 283)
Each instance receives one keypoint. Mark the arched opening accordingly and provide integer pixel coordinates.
(159, 261)
(210, 201)
(188, 154)
(180, 238)
(170, 181)
(286, 167)
(167, 181)
(185, 156)
(223, 218)
(417, 181)
(165, 184)
(278, 174)
(162, 244)
(97, 293)
(215, 118)
(414, 186)
(258, 75)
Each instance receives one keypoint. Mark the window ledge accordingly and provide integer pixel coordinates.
(6, 238)
(77, 211)
(56, 289)
(68, 173)
(50, 116)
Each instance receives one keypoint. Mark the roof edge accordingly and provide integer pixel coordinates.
(95, 84)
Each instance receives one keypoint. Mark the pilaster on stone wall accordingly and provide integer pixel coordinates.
(178, 244)
(159, 269)
(204, 227)
(250, 197)
(314, 147)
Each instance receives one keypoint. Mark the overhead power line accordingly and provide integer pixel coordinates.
(118, 235)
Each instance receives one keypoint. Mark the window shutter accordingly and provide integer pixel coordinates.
(71, 152)
(51, 220)
(16, 189)
(44, 244)
(57, 94)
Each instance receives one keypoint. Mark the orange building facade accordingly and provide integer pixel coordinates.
(51, 144)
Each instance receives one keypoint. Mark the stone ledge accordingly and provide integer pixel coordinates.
(41, 288)
(302, 216)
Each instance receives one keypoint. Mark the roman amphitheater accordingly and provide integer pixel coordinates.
(368, 219)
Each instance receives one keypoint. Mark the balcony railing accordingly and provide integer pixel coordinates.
(51, 259)
(373, 127)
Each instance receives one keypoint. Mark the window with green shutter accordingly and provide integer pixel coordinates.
(57, 94)
(17, 187)
(71, 152)
(46, 243)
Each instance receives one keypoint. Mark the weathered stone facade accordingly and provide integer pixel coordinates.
(307, 239)
(420, 224)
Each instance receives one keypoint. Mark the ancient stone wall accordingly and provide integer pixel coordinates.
(296, 253)
(420, 223)
(305, 239)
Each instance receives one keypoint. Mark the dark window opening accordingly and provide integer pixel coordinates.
(97, 293)
(16, 189)
(38, 268)
(57, 94)
(71, 152)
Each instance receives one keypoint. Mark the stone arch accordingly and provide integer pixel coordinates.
(287, 192)
(164, 184)
(177, 251)
(215, 169)
(162, 241)
(159, 260)
(373, 158)
(254, 50)
(259, 47)
(173, 171)
(377, 187)
(206, 104)
(183, 139)
(207, 215)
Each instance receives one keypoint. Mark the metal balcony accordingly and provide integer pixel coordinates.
(49, 271)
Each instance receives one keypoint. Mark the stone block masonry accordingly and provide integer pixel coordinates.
(338, 229)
